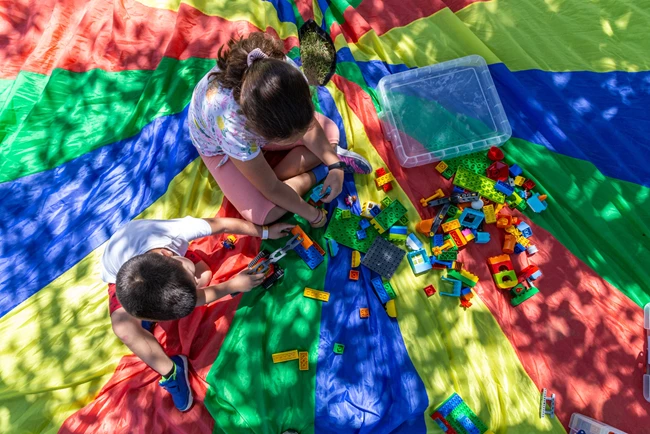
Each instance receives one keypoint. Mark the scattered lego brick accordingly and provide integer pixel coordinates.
(429, 290)
(354, 275)
(285, 356)
(346, 214)
(333, 247)
(361, 234)
(303, 361)
(316, 294)
(391, 310)
(339, 348)
(448, 256)
(537, 202)
(441, 167)
(364, 224)
(498, 171)
(419, 261)
(389, 290)
(450, 225)
(413, 242)
(355, 259)
(398, 233)
(389, 216)
(380, 289)
(437, 195)
(476, 162)
(344, 231)
(364, 312)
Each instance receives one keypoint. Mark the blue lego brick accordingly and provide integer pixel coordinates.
(457, 190)
(525, 229)
(503, 187)
(434, 260)
(471, 218)
(419, 261)
(378, 285)
(522, 194)
(413, 242)
(311, 256)
(465, 291)
(441, 424)
(482, 237)
(449, 405)
(333, 246)
(455, 292)
(364, 224)
(317, 194)
(438, 240)
(467, 425)
(361, 234)
(398, 230)
(535, 204)
(374, 211)
(519, 248)
(515, 171)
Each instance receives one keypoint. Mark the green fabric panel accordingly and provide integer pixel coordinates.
(51, 120)
(351, 71)
(5, 89)
(296, 13)
(247, 392)
(595, 217)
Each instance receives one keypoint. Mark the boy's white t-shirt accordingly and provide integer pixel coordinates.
(140, 236)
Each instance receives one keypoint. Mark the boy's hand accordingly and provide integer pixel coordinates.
(244, 282)
(334, 181)
(280, 230)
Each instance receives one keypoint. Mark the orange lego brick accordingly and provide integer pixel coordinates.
(303, 361)
(450, 225)
(306, 241)
(354, 275)
(364, 312)
(509, 244)
(424, 226)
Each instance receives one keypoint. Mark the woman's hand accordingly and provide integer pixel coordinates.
(280, 230)
(334, 181)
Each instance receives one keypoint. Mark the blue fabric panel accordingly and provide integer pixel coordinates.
(51, 220)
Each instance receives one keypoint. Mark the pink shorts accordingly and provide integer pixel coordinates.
(247, 199)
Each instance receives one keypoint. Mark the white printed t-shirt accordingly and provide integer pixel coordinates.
(140, 236)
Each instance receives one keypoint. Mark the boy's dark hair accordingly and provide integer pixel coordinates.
(155, 287)
(273, 95)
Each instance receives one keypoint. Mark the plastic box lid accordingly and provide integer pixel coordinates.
(590, 426)
(442, 111)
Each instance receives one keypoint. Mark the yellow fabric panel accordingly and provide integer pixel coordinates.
(560, 35)
(452, 349)
(436, 38)
(57, 348)
(260, 13)
(564, 35)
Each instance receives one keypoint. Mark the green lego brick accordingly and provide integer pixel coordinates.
(390, 215)
(480, 184)
(448, 173)
(386, 201)
(404, 221)
(339, 348)
(344, 231)
(449, 255)
(463, 410)
(389, 290)
(516, 301)
(477, 162)
(452, 211)
(454, 274)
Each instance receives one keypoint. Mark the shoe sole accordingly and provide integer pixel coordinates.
(355, 159)
(187, 380)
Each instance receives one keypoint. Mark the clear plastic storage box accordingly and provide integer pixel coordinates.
(442, 111)
(590, 426)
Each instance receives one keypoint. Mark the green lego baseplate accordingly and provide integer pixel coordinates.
(480, 184)
(477, 162)
(344, 231)
(464, 410)
(390, 215)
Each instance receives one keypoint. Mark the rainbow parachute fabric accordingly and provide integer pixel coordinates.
(93, 105)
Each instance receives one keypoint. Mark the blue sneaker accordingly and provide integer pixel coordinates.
(178, 384)
(356, 163)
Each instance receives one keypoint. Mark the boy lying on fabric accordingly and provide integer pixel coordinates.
(152, 276)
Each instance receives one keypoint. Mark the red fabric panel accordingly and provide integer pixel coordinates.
(40, 35)
(132, 401)
(580, 338)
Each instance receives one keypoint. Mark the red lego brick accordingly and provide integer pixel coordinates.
(354, 275)
(429, 290)
(529, 184)
(495, 154)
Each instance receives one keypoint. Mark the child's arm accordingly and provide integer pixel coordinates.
(316, 141)
(242, 282)
(243, 227)
(260, 174)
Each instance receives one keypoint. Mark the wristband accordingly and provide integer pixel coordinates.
(317, 219)
(265, 232)
(338, 165)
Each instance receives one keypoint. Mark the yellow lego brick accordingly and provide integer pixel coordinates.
(523, 241)
(469, 236)
(441, 167)
(468, 275)
(303, 361)
(490, 215)
(458, 238)
(384, 179)
(316, 294)
(356, 258)
(513, 230)
(285, 356)
(390, 309)
(436, 250)
(519, 181)
(377, 226)
(499, 207)
(437, 195)
(450, 225)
